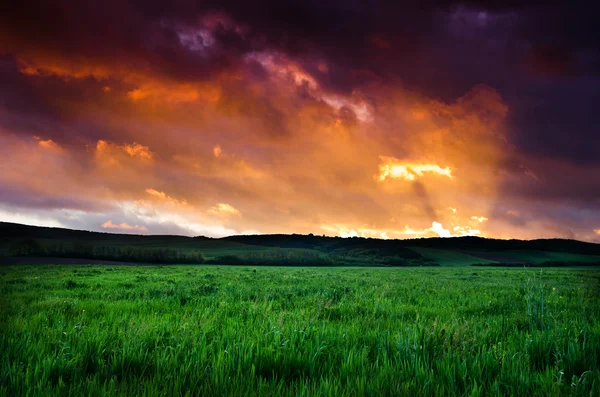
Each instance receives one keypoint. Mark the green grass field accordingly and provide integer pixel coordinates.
(209, 330)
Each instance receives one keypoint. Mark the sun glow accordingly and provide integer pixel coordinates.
(123, 226)
(395, 169)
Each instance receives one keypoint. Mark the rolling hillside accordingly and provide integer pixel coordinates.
(31, 241)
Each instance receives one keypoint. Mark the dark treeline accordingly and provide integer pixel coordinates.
(112, 253)
(12, 231)
(275, 257)
(335, 245)
(402, 247)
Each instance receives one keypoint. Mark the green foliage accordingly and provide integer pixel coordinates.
(110, 253)
(535, 301)
(27, 247)
(287, 257)
(226, 330)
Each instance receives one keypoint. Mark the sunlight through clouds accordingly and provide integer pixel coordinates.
(124, 226)
(395, 169)
(162, 196)
(223, 208)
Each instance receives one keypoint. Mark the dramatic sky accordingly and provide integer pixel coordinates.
(337, 117)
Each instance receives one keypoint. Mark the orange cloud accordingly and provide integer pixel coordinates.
(175, 93)
(149, 86)
(123, 226)
(436, 230)
(466, 231)
(48, 144)
(43, 65)
(223, 208)
(162, 196)
(136, 150)
(298, 157)
(349, 231)
(395, 169)
(457, 231)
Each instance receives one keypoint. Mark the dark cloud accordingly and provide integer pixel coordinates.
(18, 97)
(548, 60)
(556, 119)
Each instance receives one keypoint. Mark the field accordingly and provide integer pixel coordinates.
(210, 330)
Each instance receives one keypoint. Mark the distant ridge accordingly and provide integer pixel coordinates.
(18, 230)
(13, 231)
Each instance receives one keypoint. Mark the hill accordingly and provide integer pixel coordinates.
(18, 240)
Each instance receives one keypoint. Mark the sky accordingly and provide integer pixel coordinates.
(343, 118)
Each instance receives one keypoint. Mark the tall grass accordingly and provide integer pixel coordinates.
(208, 330)
(535, 301)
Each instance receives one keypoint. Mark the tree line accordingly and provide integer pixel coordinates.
(112, 253)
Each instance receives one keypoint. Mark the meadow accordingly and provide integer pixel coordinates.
(225, 330)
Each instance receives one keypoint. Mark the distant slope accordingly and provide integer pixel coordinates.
(471, 243)
(455, 251)
(350, 246)
(292, 250)
(450, 258)
(533, 256)
(295, 249)
(46, 236)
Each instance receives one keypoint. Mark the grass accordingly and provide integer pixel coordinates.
(209, 330)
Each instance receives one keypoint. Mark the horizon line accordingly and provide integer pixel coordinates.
(291, 234)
